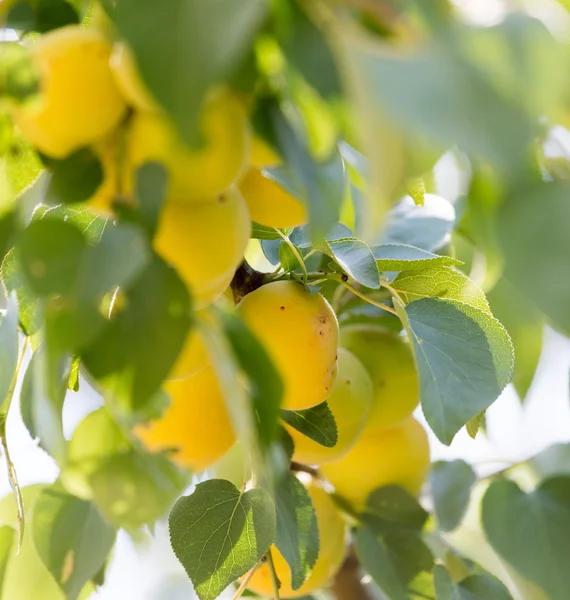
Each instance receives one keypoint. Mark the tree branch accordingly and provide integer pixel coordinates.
(347, 584)
(246, 280)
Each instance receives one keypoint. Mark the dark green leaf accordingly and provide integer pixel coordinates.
(74, 178)
(218, 533)
(8, 226)
(150, 188)
(9, 344)
(124, 357)
(316, 423)
(265, 382)
(41, 15)
(357, 261)
(392, 507)
(474, 587)
(182, 63)
(451, 484)
(529, 531)
(464, 358)
(297, 534)
(71, 538)
(402, 257)
(50, 252)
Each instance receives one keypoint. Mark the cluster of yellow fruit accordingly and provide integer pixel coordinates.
(91, 96)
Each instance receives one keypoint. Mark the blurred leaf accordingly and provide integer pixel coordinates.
(73, 380)
(464, 358)
(8, 226)
(150, 189)
(426, 227)
(182, 63)
(554, 460)
(74, 178)
(539, 212)
(297, 533)
(71, 538)
(124, 358)
(474, 587)
(7, 539)
(529, 531)
(356, 260)
(265, 382)
(9, 345)
(475, 424)
(392, 559)
(317, 423)
(41, 15)
(301, 237)
(91, 225)
(451, 484)
(219, 533)
(392, 507)
(526, 328)
(445, 283)
(403, 257)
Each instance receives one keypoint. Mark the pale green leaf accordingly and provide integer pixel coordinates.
(356, 260)
(473, 587)
(403, 257)
(451, 484)
(8, 346)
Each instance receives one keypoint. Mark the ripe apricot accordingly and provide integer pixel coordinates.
(395, 456)
(332, 538)
(128, 79)
(349, 403)
(389, 360)
(79, 102)
(262, 154)
(194, 173)
(193, 357)
(300, 333)
(196, 424)
(205, 241)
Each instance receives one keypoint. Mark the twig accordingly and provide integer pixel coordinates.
(245, 581)
(275, 584)
(347, 584)
(367, 299)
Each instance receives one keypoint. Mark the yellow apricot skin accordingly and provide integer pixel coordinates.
(194, 174)
(300, 333)
(196, 425)
(79, 103)
(389, 360)
(128, 79)
(269, 204)
(332, 538)
(262, 154)
(205, 241)
(349, 403)
(192, 359)
(395, 456)
(102, 200)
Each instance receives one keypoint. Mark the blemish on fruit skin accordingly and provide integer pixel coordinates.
(321, 332)
(281, 308)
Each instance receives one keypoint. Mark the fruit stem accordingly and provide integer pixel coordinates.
(273, 574)
(245, 581)
(246, 280)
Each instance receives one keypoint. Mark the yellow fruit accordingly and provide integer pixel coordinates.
(332, 534)
(262, 154)
(193, 357)
(79, 102)
(128, 79)
(205, 242)
(395, 456)
(300, 333)
(196, 423)
(194, 174)
(102, 200)
(269, 204)
(349, 403)
(389, 360)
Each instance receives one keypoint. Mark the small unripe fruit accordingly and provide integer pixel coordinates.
(395, 456)
(332, 539)
(196, 424)
(300, 333)
(349, 403)
(79, 102)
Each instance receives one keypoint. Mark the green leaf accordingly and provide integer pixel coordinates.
(74, 178)
(265, 382)
(218, 533)
(529, 531)
(474, 587)
(124, 358)
(403, 257)
(316, 423)
(261, 232)
(440, 282)
(287, 258)
(150, 191)
(392, 507)
(392, 559)
(519, 221)
(182, 63)
(71, 538)
(525, 326)
(426, 227)
(41, 15)
(554, 460)
(91, 225)
(7, 539)
(50, 252)
(41, 401)
(9, 344)
(73, 380)
(297, 534)
(451, 484)
(356, 260)
(464, 358)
